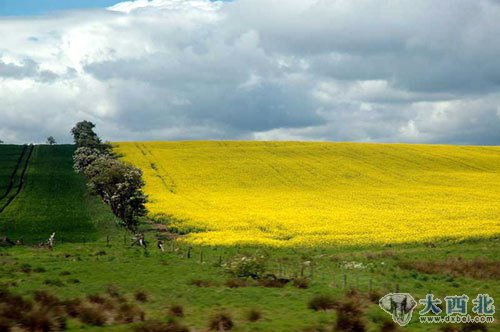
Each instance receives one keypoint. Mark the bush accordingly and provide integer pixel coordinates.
(245, 266)
(322, 302)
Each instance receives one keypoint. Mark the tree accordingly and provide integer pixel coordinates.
(51, 140)
(84, 156)
(1, 142)
(84, 135)
(120, 185)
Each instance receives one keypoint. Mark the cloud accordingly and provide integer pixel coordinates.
(388, 71)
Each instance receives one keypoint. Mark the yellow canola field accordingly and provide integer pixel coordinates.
(298, 193)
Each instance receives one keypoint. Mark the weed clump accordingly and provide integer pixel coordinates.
(221, 321)
(141, 296)
(54, 282)
(349, 317)
(254, 315)
(301, 283)
(322, 302)
(176, 310)
(203, 283)
(236, 283)
(156, 326)
(92, 315)
(129, 313)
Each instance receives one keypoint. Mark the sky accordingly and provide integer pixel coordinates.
(36, 7)
(315, 70)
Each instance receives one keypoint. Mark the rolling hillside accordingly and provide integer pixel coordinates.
(292, 193)
(53, 198)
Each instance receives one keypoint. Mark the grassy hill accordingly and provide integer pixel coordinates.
(53, 199)
(296, 193)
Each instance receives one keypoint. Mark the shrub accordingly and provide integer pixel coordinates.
(244, 266)
(322, 302)
(221, 321)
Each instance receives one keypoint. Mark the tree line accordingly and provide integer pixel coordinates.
(117, 183)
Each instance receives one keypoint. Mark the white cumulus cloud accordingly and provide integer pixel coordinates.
(389, 71)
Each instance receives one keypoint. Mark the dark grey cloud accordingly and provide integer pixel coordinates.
(405, 71)
(27, 69)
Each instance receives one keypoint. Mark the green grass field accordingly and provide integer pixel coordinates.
(95, 254)
(76, 270)
(53, 199)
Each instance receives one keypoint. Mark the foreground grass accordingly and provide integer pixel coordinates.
(54, 199)
(77, 270)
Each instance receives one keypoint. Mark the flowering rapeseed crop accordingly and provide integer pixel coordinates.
(293, 193)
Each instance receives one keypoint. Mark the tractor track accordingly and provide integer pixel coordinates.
(21, 180)
(13, 175)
